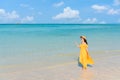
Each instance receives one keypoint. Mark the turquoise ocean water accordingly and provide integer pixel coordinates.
(48, 44)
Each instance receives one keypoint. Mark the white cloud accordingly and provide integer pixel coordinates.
(90, 20)
(68, 13)
(2, 11)
(93, 21)
(26, 6)
(13, 17)
(59, 4)
(27, 19)
(8, 15)
(108, 10)
(99, 8)
(113, 11)
(116, 2)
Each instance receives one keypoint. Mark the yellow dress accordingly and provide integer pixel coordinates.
(84, 57)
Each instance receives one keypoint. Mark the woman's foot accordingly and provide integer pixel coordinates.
(84, 68)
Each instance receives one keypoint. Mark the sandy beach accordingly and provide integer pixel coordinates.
(106, 67)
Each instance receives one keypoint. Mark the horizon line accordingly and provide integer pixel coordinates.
(57, 23)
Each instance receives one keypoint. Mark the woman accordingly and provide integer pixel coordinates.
(84, 57)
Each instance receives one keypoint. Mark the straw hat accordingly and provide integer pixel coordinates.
(83, 37)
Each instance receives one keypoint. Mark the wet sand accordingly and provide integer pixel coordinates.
(106, 67)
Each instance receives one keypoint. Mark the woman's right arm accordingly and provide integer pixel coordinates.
(77, 44)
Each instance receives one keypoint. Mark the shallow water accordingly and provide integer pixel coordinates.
(49, 44)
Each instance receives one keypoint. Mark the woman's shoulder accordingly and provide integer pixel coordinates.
(84, 44)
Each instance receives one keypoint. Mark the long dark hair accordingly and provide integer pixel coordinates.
(85, 40)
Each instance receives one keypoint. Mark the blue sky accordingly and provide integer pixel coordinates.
(60, 11)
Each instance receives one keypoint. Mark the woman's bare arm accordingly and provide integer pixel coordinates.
(77, 44)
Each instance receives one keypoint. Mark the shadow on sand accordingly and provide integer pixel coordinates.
(80, 65)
